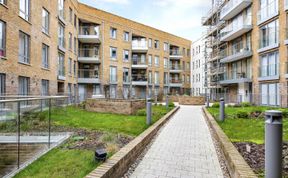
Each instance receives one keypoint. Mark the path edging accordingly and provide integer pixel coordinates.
(119, 163)
(236, 164)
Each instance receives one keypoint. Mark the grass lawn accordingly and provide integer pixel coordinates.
(62, 162)
(246, 130)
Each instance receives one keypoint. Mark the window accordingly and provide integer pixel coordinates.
(270, 94)
(70, 15)
(269, 64)
(70, 66)
(165, 63)
(75, 21)
(113, 74)
(2, 39)
(45, 56)
(150, 77)
(24, 8)
(96, 90)
(269, 34)
(125, 55)
(150, 60)
(166, 79)
(126, 36)
(45, 87)
(23, 85)
(74, 68)
(61, 8)
(156, 44)
(150, 43)
(113, 53)
(156, 60)
(268, 9)
(61, 65)
(113, 33)
(2, 84)
(24, 48)
(45, 21)
(156, 78)
(70, 41)
(125, 75)
(61, 39)
(113, 91)
(75, 45)
(188, 79)
(3, 2)
(166, 47)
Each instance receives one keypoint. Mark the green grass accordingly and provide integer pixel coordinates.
(72, 163)
(245, 130)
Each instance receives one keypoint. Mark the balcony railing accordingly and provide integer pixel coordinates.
(140, 44)
(232, 5)
(235, 75)
(175, 52)
(89, 30)
(176, 67)
(268, 11)
(139, 78)
(175, 80)
(139, 61)
(270, 39)
(269, 70)
(88, 73)
(89, 52)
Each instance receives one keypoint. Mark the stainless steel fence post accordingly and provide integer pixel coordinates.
(222, 110)
(18, 134)
(49, 124)
(207, 101)
(273, 144)
(167, 102)
(148, 112)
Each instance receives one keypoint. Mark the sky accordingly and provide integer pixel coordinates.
(179, 17)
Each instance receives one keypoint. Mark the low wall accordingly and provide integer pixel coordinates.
(173, 98)
(191, 100)
(115, 106)
(119, 163)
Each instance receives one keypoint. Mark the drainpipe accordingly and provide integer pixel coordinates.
(103, 56)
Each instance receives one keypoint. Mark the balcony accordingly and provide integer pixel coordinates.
(89, 34)
(175, 54)
(139, 63)
(175, 68)
(88, 76)
(217, 70)
(268, 12)
(233, 7)
(140, 46)
(61, 73)
(269, 72)
(139, 80)
(175, 82)
(89, 55)
(235, 78)
(238, 52)
(231, 31)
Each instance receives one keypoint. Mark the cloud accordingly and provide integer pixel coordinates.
(115, 1)
(184, 3)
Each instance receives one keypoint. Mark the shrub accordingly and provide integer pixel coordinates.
(237, 105)
(171, 104)
(216, 105)
(141, 112)
(256, 113)
(284, 112)
(245, 104)
(242, 114)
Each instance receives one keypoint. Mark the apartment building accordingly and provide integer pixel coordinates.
(56, 47)
(199, 67)
(253, 50)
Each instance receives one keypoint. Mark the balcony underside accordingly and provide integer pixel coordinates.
(89, 60)
(175, 71)
(89, 38)
(176, 57)
(236, 9)
(140, 83)
(235, 81)
(236, 57)
(88, 80)
(140, 66)
(236, 33)
(61, 77)
(140, 49)
(176, 85)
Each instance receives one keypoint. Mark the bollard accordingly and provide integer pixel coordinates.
(167, 102)
(222, 110)
(273, 144)
(148, 112)
(207, 101)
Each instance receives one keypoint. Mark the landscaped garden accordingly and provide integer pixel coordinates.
(75, 157)
(244, 125)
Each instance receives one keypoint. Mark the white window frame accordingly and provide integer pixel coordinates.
(125, 54)
(113, 74)
(113, 33)
(45, 21)
(2, 39)
(45, 56)
(24, 56)
(111, 53)
(24, 9)
(126, 36)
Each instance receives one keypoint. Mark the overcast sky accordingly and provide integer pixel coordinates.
(180, 17)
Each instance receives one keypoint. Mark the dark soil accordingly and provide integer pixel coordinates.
(255, 157)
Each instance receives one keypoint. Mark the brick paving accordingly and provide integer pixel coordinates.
(183, 149)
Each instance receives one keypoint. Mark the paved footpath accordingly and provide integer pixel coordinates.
(183, 149)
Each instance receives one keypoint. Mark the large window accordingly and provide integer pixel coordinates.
(113, 74)
(156, 44)
(70, 41)
(2, 84)
(113, 53)
(268, 9)
(113, 33)
(165, 63)
(269, 34)
(156, 61)
(61, 39)
(45, 87)
(126, 36)
(24, 9)
(126, 75)
(150, 60)
(45, 56)
(270, 94)
(61, 65)
(61, 8)
(3, 2)
(45, 21)
(269, 64)
(166, 47)
(24, 48)
(156, 78)
(150, 43)
(125, 55)
(70, 66)
(2, 39)
(23, 85)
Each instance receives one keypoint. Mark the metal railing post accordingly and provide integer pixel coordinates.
(49, 124)
(148, 112)
(18, 133)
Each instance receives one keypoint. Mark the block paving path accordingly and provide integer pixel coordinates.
(183, 149)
